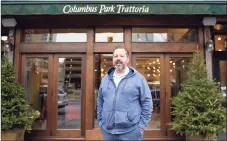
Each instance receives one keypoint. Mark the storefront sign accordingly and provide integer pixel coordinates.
(119, 9)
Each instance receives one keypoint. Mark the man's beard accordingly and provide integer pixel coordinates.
(119, 68)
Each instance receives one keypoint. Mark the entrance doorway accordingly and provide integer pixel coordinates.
(55, 87)
(164, 74)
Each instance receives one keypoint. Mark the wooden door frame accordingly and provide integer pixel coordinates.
(48, 131)
(71, 133)
(162, 131)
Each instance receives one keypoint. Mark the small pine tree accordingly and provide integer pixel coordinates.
(14, 110)
(198, 107)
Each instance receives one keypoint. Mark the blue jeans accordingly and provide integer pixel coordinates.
(130, 136)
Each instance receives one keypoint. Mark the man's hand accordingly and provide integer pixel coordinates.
(141, 131)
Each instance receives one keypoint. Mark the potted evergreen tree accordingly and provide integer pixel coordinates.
(16, 116)
(198, 108)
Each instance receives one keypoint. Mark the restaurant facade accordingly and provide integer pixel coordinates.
(61, 51)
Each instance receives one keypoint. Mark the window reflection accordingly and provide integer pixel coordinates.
(69, 35)
(69, 93)
(108, 35)
(103, 62)
(55, 35)
(36, 85)
(150, 68)
(164, 35)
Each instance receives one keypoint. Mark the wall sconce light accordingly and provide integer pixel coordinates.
(210, 45)
(110, 36)
(218, 27)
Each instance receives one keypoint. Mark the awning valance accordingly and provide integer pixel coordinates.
(117, 9)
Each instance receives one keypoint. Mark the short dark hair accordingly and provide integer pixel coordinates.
(126, 51)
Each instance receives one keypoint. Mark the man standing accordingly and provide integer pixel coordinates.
(124, 103)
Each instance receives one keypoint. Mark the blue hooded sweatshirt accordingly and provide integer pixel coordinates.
(122, 109)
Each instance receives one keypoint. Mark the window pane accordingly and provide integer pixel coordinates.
(150, 68)
(69, 35)
(179, 68)
(55, 35)
(69, 93)
(220, 42)
(36, 35)
(36, 85)
(164, 35)
(178, 73)
(109, 35)
(102, 63)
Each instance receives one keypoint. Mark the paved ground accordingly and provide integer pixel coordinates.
(222, 137)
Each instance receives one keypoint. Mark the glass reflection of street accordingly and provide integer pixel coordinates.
(69, 116)
(69, 105)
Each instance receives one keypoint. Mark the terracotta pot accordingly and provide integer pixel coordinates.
(13, 135)
(198, 138)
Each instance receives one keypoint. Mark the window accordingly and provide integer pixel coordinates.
(109, 35)
(150, 68)
(54, 35)
(69, 35)
(164, 35)
(220, 42)
(69, 93)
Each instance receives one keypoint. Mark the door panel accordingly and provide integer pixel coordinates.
(177, 66)
(68, 111)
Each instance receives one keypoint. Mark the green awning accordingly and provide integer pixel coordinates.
(114, 8)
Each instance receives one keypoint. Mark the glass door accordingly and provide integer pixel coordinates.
(164, 74)
(55, 86)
